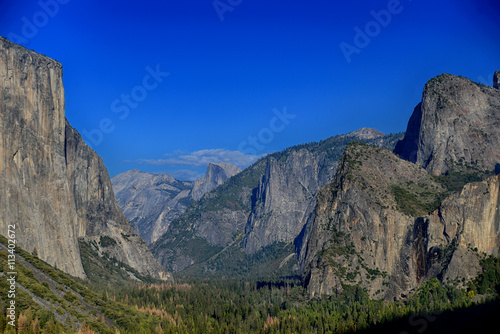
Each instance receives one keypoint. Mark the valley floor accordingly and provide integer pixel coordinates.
(53, 302)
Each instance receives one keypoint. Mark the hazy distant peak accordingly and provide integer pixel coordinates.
(217, 173)
(230, 169)
(365, 133)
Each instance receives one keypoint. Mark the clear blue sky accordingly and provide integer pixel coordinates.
(171, 85)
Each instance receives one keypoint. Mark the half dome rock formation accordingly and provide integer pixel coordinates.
(53, 187)
(217, 174)
(152, 201)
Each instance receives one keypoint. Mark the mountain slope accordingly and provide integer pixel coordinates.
(152, 201)
(266, 203)
(363, 223)
(53, 187)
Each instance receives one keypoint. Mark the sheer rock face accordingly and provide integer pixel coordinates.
(371, 225)
(217, 174)
(286, 196)
(359, 234)
(465, 221)
(53, 187)
(281, 201)
(457, 122)
(151, 201)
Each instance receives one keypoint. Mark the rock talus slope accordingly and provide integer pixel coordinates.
(52, 185)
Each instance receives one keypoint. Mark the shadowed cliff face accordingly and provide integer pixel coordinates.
(457, 122)
(52, 185)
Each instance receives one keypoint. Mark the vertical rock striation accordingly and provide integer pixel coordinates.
(53, 187)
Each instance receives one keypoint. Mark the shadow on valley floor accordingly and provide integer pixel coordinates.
(482, 318)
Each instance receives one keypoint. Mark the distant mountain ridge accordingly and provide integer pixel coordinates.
(152, 201)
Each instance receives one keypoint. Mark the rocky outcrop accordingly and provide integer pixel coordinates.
(465, 225)
(496, 80)
(456, 125)
(286, 193)
(151, 201)
(217, 174)
(53, 187)
(363, 224)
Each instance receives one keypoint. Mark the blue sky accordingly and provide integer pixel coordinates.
(172, 85)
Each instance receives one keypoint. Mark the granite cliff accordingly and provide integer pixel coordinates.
(151, 201)
(363, 222)
(455, 126)
(53, 187)
(388, 224)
